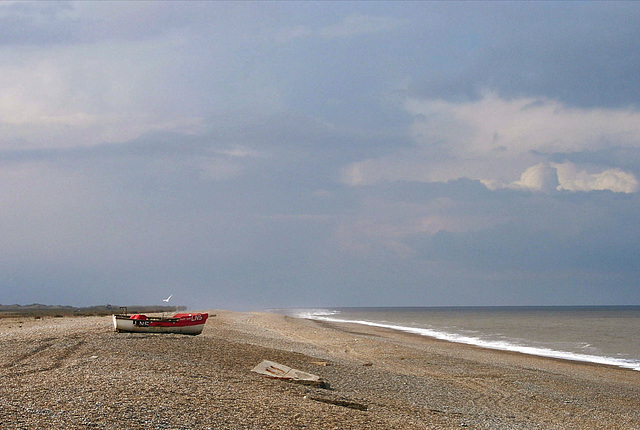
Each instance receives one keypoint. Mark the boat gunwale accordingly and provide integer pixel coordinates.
(147, 318)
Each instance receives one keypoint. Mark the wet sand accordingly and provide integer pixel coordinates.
(77, 373)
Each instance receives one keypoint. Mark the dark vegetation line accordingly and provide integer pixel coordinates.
(39, 310)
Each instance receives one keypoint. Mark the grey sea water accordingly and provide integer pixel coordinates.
(602, 334)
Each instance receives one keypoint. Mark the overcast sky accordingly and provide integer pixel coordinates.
(255, 155)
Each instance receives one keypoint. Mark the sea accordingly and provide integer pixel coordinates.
(597, 334)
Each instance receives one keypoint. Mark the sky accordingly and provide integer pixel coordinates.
(252, 155)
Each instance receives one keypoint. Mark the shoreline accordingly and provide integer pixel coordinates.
(514, 348)
(466, 348)
(78, 373)
(518, 354)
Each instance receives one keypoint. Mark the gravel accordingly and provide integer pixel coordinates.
(77, 373)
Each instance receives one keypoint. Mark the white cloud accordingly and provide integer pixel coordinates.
(498, 140)
(79, 97)
(540, 177)
(615, 180)
(34, 92)
(567, 176)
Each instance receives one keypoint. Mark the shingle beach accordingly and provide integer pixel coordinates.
(77, 373)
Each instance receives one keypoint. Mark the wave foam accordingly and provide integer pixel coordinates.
(314, 313)
(499, 345)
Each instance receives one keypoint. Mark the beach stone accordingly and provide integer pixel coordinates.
(76, 373)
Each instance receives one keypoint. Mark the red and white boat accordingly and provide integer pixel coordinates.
(180, 323)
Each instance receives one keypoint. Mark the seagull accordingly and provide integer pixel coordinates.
(167, 299)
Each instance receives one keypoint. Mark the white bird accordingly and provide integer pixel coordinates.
(167, 299)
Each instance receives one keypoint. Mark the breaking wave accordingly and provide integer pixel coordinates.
(329, 315)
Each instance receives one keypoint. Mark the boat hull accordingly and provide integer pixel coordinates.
(191, 324)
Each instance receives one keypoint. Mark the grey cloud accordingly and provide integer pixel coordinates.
(36, 23)
(70, 23)
(623, 157)
(559, 233)
(579, 53)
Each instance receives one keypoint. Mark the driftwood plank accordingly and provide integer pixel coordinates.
(280, 371)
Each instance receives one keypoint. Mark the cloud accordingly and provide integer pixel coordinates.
(356, 160)
(515, 126)
(356, 25)
(496, 140)
(350, 26)
(36, 23)
(55, 23)
(129, 70)
(540, 177)
(37, 87)
(85, 96)
(615, 180)
(552, 177)
(572, 52)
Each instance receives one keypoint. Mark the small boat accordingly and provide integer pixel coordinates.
(180, 323)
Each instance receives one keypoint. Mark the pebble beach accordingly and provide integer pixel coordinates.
(77, 373)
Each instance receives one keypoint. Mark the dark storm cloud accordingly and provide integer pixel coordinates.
(580, 53)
